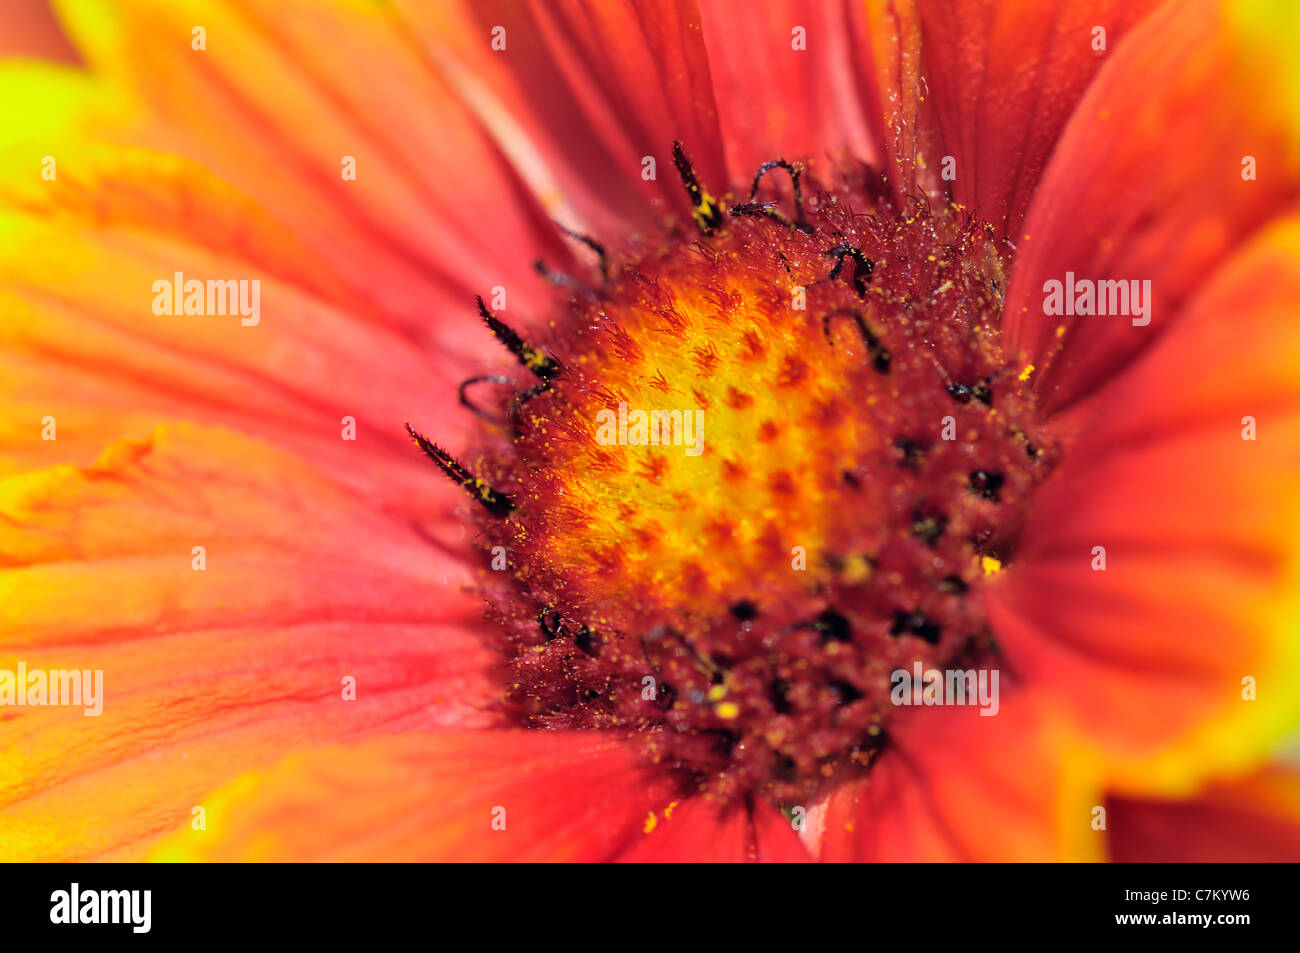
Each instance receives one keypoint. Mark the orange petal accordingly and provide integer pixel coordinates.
(213, 661)
(1004, 76)
(519, 795)
(954, 785)
(787, 95)
(274, 105)
(1256, 819)
(1201, 588)
(1147, 183)
(582, 93)
(83, 342)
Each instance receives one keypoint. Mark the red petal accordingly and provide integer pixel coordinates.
(1004, 76)
(591, 88)
(697, 829)
(775, 840)
(1255, 819)
(908, 132)
(956, 785)
(777, 101)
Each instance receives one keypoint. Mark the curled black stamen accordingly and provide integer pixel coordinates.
(759, 208)
(704, 207)
(517, 404)
(548, 620)
(591, 243)
(537, 362)
(481, 379)
(862, 266)
(880, 358)
(765, 208)
(551, 624)
(562, 280)
(494, 501)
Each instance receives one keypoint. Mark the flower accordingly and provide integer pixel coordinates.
(285, 599)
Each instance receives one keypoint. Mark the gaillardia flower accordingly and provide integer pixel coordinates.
(875, 436)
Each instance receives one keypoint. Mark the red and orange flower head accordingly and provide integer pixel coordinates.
(876, 435)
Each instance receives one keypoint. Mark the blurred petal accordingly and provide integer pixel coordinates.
(554, 796)
(779, 99)
(213, 670)
(275, 104)
(582, 92)
(1147, 183)
(1256, 819)
(82, 341)
(954, 785)
(1201, 588)
(696, 830)
(28, 28)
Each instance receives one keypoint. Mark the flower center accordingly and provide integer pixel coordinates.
(765, 464)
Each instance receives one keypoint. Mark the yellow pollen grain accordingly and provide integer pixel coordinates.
(651, 822)
(1029, 369)
(668, 811)
(857, 569)
(705, 209)
(991, 565)
(728, 710)
(716, 692)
